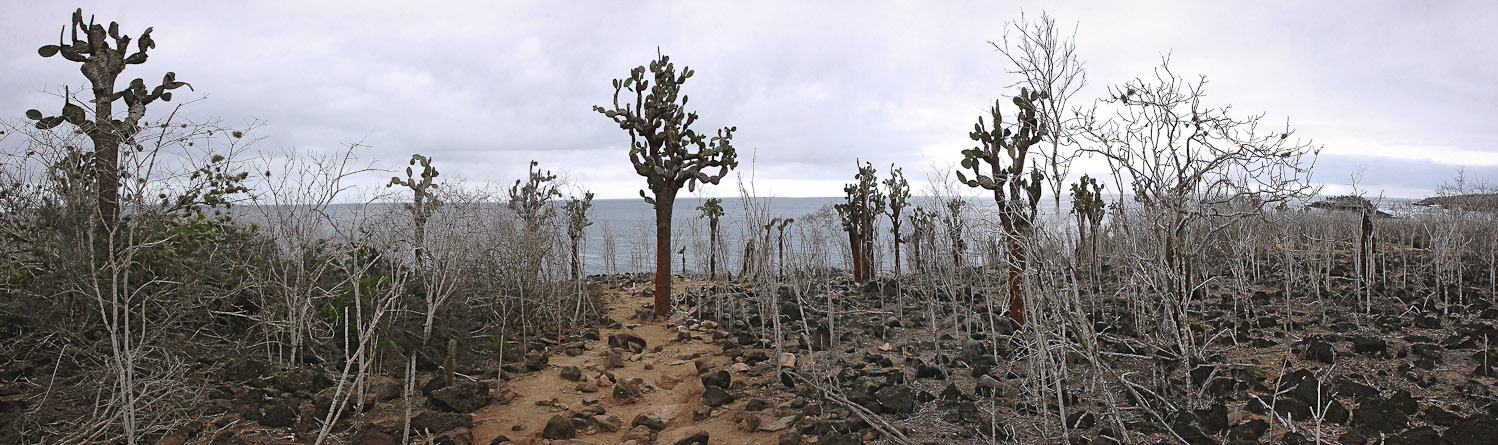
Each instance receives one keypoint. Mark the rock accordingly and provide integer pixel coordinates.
(789, 438)
(787, 360)
(1185, 426)
(1081, 420)
(571, 373)
(710, 363)
(924, 370)
(382, 388)
(650, 420)
(1251, 430)
(756, 405)
(1368, 345)
(1475, 430)
(1416, 436)
(687, 435)
(639, 434)
(278, 415)
(719, 378)
(627, 340)
(897, 399)
(746, 421)
(372, 436)
(607, 423)
(952, 394)
(436, 421)
(1440, 416)
(460, 436)
(612, 359)
(1321, 351)
(536, 361)
(1378, 415)
(498, 440)
(1214, 419)
(1336, 413)
(586, 387)
(559, 427)
(779, 424)
(626, 392)
(716, 396)
(462, 397)
(739, 367)
(989, 386)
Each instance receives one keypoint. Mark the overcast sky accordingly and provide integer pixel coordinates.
(1406, 92)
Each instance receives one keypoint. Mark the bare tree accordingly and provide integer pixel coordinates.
(1049, 64)
(667, 151)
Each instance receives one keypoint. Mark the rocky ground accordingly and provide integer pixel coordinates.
(1282, 370)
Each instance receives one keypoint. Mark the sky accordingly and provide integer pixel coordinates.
(1399, 95)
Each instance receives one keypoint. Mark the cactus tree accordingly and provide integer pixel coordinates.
(712, 209)
(899, 198)
(1005, 150)
(666, 150)
(102, 64)
(423, 201)
(863, 204)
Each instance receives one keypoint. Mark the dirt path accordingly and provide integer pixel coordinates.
(669, 382)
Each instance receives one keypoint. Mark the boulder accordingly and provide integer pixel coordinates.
(462, 397)
(571, 373)
(897, 399)
(559, 427)
(687, 435)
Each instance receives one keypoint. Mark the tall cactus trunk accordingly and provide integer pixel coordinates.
(664, 200)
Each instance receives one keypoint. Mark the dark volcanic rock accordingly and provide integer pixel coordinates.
(559, 427)
(1368, 345)
(437, 421)
(1379, 415)
(719, 378)
(1294, 408)
(1424, 435)
(716, 396)
(898, 399)
(1250, 430)
(278, 415)
(1476, 430)
(1320, 351)
(625, 392)
(1213, 420)
(536, 361)
(571, 373)
(463, 397)
(686, 435)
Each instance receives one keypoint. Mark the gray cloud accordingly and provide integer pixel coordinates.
(485, 87)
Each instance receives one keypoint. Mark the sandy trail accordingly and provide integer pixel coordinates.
(671, 386)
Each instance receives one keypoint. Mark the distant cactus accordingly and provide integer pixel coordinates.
(1005, 150)
(1088, 206)
(864, 203)
(102, 65)
(423, 201)
(577, 221)
(712, 209)
(899, 198)
(666, 150)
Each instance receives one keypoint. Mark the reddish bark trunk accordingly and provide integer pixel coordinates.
(663, 203)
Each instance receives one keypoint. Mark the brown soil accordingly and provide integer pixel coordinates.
(671, 385)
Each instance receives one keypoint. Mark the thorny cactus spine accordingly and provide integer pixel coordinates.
(1005, 151)
(666, 150)
(102, 65)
